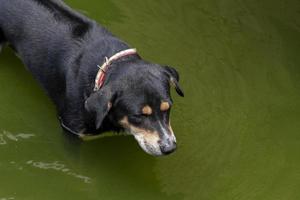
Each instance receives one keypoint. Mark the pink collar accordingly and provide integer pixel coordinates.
(100, 78)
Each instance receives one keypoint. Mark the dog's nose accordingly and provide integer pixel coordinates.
(168, 147)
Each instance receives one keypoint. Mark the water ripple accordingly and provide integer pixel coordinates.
(57, 166)
(6, 136)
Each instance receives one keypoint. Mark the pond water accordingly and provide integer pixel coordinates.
(238, 128)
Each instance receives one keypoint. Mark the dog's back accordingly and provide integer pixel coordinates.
(59, 46)
(37, 24)
(47, 35)
(43, 33)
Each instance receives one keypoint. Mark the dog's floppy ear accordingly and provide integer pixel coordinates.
(174, 79)
(99, 104)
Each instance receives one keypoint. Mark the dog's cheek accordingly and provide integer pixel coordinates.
(124, 123)
(115, 118)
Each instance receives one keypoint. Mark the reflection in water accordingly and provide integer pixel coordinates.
(6, 135)
(57, 166)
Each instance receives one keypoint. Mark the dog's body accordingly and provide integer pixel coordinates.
(62, 49)
(59, 47)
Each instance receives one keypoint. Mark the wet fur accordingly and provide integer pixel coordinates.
(62, 48)
(2, 40)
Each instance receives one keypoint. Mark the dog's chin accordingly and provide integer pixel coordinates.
(150, 148)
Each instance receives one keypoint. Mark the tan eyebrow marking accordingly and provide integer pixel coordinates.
(124, 122)
(147, 110)
(164, 106)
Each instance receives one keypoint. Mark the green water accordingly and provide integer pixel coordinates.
(238, 128)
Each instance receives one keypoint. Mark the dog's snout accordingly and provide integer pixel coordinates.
(168, 147)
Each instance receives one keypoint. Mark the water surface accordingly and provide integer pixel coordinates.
(238, 128)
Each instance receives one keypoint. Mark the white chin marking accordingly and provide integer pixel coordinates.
(152, 149)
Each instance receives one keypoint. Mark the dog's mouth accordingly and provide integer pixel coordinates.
(151, 148)
(153, 145)
(152, 142)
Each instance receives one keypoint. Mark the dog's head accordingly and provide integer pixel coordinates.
(139, 101)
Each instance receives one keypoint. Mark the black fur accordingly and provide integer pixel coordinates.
(2, 40)
(62, 49)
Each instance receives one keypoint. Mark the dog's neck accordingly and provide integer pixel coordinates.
(100, 77)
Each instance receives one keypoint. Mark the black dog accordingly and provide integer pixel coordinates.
(62, 49)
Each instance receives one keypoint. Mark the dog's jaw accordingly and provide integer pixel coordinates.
(149, 145)
(152, 149)
(149, 141)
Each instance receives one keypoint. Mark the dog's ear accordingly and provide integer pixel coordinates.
(99, 104)
(174, 79)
